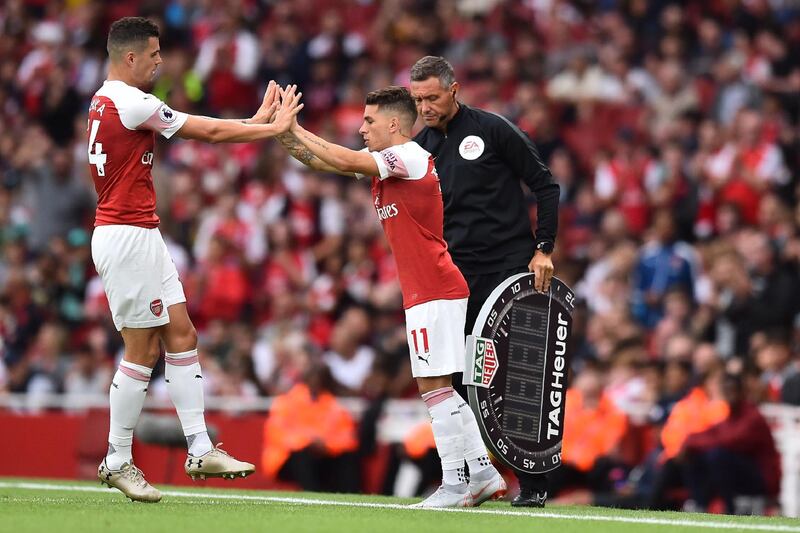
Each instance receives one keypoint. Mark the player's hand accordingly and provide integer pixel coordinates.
(542, 267)
(269, 105)
(289, 108)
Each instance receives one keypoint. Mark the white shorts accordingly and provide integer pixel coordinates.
(435, 333)
(138, 274)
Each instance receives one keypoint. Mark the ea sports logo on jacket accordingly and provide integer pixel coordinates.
(386, 211)
(471, 147)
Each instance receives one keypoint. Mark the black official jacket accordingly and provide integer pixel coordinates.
(480, 161)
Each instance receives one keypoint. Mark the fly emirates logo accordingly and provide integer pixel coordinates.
(386, 211)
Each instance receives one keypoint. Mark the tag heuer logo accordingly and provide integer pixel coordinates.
(485, 361)
(156, 307)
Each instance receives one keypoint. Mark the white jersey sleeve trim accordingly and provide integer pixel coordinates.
(407, 161)
(141, 111)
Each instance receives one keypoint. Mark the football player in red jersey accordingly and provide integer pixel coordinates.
(408, 202)
(145, 295)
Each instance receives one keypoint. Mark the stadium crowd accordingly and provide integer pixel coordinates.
(673, 129)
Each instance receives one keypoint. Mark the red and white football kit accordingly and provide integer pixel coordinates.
(138, 274)
(408, 201)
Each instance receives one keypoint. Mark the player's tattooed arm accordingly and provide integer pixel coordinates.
(339, 157)
(298, 150)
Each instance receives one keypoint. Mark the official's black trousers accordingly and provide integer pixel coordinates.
(480, 287)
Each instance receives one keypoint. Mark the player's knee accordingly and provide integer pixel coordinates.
(147, 358)
(190, 336)
(183, 339)
(152, 358)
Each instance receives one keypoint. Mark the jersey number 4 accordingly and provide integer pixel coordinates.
(96, 155)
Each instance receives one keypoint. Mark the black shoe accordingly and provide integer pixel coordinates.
(529, 498)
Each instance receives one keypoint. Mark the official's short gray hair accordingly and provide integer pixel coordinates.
(433, 67)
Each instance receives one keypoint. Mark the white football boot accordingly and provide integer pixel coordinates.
(130, 481)
(217, 463)
(447, 496)
(487, 485)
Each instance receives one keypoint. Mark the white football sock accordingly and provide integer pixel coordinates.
(126, 397)
(447, 432)
(185, 387)
(474, 449)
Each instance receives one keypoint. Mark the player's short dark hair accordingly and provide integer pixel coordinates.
(396, 99)
(129, 33)
(434, 67)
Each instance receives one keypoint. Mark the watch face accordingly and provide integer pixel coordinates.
(546, 247)
(517, 363)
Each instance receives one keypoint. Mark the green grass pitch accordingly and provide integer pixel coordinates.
(67, 506)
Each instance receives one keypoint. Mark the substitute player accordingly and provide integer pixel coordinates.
(408, 202)
(145, 295)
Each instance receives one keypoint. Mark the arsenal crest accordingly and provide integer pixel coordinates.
(516, 372)
(156, 307)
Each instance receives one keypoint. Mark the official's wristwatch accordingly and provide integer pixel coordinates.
(546, 247)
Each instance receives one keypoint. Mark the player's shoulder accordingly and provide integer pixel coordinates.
(415, 148)
(133, 105)
(122, 94)
(409, 150)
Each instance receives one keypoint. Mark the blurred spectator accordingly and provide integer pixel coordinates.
(734, 458)
(349, 360)
(56, 199)
(310, 439)
(221, 282)
(41, 371)
(592, 435)
(664, 264)
(676, 97)
(778, 368)
(227, 63)
(702, 408)
(89, 374)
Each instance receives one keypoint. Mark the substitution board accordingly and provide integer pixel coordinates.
(516, 371)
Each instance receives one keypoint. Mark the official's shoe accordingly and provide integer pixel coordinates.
(488, 486)
(447, 496)
(130, 481)
(217, 463)
(529, 498)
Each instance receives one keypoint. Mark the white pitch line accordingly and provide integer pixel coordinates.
(534, 514)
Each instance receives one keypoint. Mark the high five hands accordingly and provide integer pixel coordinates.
(280, 106)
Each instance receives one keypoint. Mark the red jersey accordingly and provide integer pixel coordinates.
(123, 122)
(408, 201)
